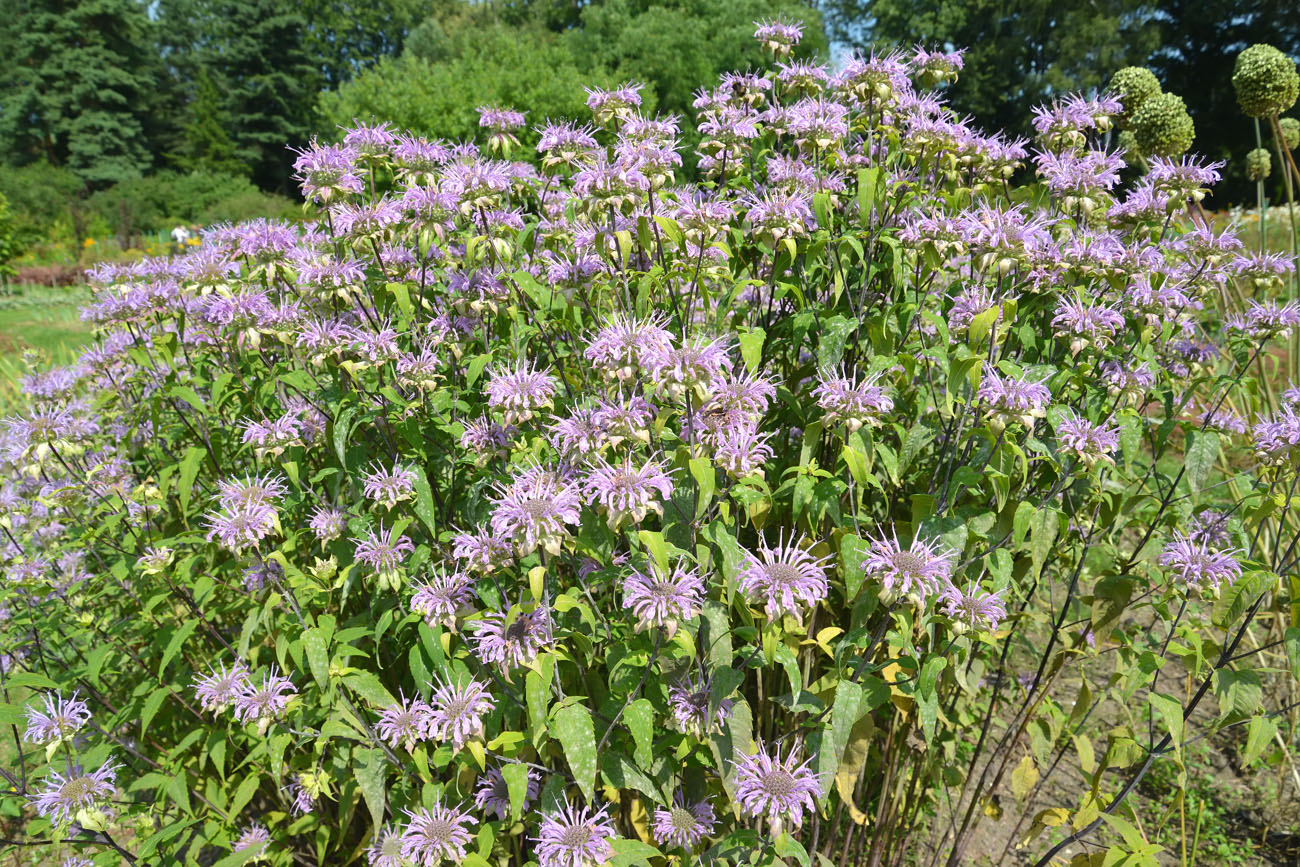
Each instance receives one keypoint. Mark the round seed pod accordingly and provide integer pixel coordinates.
(1162, 127)
(1266, 81)
(1258, 164)
(1133, 85)
(1290, 132)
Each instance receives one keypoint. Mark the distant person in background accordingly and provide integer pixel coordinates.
(179, 236)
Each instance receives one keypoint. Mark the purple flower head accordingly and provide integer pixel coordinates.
(381, 552)
(437, 834)
(575, 837)
(486, 437)
(1277, 439)
(1086, 323)
(518, 391)
(370, 140)
(854, 403)
(218, 689)
(513, 638)
(741, 450)
(619, 103)
(304, 791)
(785, 580)
(582, 434)
(456, 711)
(328, 172)
(565, 145)
(1198, 565)
(482, 551)
(1131, 382)
(693, 366)
(663, 600)
(405, 723)
(253, 836)
(389, 487)
(777, 788)
(914, 572)
(625, 344)
(441, 597)
(1011, 399)
(493, 795)
(1091, 442)
(683, 825)
(936, 67)
(779, 214)
(1210, 527)
(386, 848)
(973, 608)
(627, 492)
(689, 702)
(243, 526)
(499, 120)
(61, 719)
(535, 511)
(67, 794)
(778, 36)
(328, 523)
(262, 703)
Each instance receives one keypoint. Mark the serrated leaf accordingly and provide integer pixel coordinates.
(174, 645)
(1259, 734)
(244, 793)
(640, 716)
(189, 471)
(573, 728)
(366, 684)
(372, 777)
(1171, 711)
(1024, 778)
(424, 502)
(516, 777)
(316, 648)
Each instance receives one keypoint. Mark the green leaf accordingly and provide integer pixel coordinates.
(235, 859)
(244, 793)
(367, 685)
(342, 429)
(1240, 595)
(830, 347)
(1171, 711)
(572, 726)
(174, 645)
(1202, 452)
(151, 706)
(516, 777)
(1024, 778)
(1259, 734)
(1240, 693)
(628, 853)
(844, 714)
(424, 502)
(31, 679)
(751, 347)
(189, 472)
(316, 646)
(702, 470)
(640, 716)
(372, 777)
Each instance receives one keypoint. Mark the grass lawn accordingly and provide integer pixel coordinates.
(41, 319)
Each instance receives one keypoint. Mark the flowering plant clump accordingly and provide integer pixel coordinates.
(556, 509)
